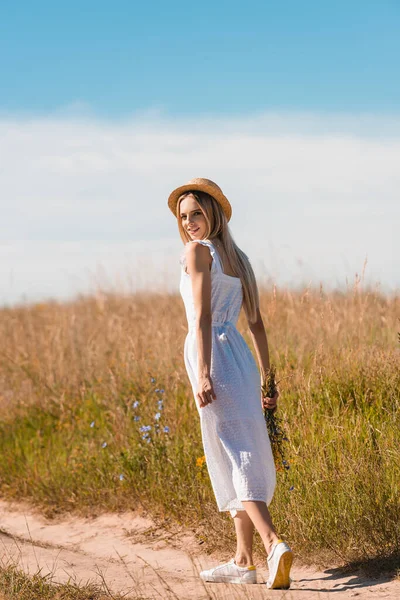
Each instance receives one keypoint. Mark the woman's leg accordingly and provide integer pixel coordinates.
(244, 535)
(259, 515)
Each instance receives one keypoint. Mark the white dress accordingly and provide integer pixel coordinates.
(235, 439)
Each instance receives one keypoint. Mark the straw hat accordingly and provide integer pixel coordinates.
(199, 184)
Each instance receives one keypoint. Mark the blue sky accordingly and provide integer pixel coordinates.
(292, 107)
(186, 58)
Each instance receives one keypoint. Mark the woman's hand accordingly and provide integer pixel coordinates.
(205, 391)
(270, 403)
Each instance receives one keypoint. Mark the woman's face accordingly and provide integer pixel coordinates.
(192, 218)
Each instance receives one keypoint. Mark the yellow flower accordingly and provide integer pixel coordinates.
(200, 461)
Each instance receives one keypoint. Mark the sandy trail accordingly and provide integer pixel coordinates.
(127, 554)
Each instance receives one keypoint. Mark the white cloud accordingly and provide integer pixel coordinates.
(312, 196)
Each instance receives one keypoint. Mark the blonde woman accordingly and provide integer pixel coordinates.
(216, 280)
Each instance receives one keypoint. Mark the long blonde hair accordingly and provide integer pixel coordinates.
(217, 227)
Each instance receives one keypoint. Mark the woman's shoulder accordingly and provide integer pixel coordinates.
(202, 242)
(197, 249)
(193, 245)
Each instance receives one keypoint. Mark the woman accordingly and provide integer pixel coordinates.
(216, 279)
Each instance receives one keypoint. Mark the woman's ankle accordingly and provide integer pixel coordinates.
(243, 560)
(270, 543)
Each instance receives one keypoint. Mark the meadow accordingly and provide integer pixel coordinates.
(97, 413)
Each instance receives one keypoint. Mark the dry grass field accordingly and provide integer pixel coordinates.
(79, 380)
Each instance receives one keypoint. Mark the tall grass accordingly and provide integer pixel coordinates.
(71, 376)
(16, 585)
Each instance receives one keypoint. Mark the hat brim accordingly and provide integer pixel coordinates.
(200, 187)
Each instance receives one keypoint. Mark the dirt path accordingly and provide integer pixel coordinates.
(129, 555)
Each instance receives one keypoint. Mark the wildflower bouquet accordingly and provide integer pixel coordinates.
(275, 429)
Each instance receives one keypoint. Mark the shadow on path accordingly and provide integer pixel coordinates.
(358, 574)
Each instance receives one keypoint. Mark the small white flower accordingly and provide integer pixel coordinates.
(222, 337)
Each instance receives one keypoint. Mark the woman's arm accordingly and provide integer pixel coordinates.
(259, 337)
(198, 261)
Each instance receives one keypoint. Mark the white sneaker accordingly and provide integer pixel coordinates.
(230, 572)
(279, 562)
